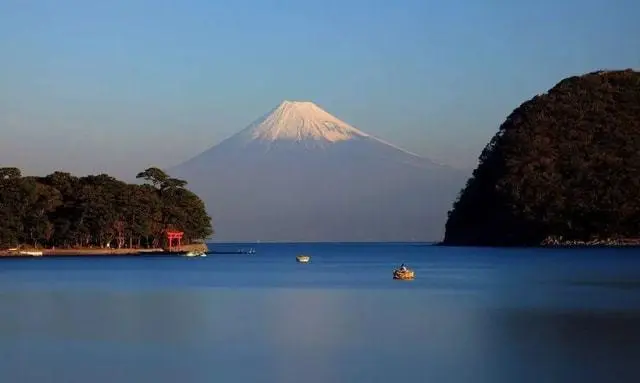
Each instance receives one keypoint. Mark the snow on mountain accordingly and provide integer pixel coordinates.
(300, 120)
(299, 173)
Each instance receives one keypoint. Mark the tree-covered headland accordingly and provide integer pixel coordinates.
(62, 210)
(563, 167)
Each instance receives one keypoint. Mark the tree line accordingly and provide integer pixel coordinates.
(63, 210)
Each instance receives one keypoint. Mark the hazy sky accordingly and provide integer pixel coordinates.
(119, 85)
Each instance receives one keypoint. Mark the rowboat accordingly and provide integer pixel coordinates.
(405, 275)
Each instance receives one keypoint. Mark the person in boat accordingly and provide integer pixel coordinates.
(403, 268)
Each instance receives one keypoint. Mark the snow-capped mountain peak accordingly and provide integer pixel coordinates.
(301, 174)
(301, 121)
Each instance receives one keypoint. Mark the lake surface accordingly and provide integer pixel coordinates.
(471, 315)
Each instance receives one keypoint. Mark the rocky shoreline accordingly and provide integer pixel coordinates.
(606, 242)
(561, 242)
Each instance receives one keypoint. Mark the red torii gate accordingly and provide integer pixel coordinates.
(172, 236)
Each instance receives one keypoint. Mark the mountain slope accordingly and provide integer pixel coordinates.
(301, 174)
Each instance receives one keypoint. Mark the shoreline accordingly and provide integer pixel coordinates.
(84, 251)
(607, 242)
(552, 243)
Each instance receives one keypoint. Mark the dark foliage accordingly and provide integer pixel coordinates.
(564, 164)
(67, 211)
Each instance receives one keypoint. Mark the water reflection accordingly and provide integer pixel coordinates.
(568, 346)
(476, 320)
(286, 335)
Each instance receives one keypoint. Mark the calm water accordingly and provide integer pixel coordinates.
(472, 315)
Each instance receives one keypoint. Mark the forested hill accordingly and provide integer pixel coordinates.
(564, 166)
(63, 210)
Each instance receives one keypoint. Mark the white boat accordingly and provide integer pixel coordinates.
(32, 253)
(195, 254)
(303, 258)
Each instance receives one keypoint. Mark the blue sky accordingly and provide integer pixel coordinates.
(116, 86)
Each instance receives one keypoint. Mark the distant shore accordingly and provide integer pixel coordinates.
(86, 251)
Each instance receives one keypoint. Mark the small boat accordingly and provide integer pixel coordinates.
(303, 258)
(405, 275)
(195, 254)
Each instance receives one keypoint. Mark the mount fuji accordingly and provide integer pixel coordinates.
(301, 174)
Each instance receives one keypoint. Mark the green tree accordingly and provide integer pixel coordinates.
(10, 173)
(563, 164)
(97, 210)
